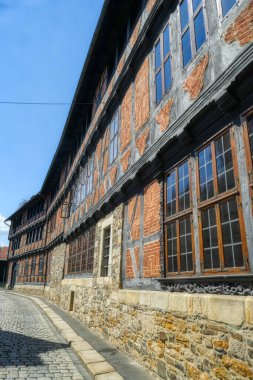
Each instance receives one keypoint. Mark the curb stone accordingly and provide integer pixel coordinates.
(94, 363)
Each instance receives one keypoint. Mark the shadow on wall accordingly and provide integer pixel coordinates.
(21, 350)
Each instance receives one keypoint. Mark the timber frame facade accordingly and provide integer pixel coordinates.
(150, 188)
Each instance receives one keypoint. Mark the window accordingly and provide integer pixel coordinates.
(226, 5)
(178, 221)
(248, 140)
(217, 203)
(193, 32)
(249, 146)
(105, 263)
(90, 174)
(163, 77)
(16, 243)
(81, 253)
(33, 266)
(35, 210)
(100, 91)
(41, 264)
(26, 266)
(34, 235)
(83, 177)
(114, 128)
(74, 198)
(222, 232)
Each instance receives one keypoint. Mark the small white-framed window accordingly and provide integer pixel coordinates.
(225, 6)
(90, 167)
(114, 130)
(163, 57)
(106, 249)
(193, 28)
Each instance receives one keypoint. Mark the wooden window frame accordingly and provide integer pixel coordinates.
(220, 11)
(160, 40)
(33, 265)
(177, 217)
(192, 15)
(249, 160)
(216, 200)
(106, 245)
(81, 250)
(107, 224)
(90, 167)
(41, 265)
(114, 138)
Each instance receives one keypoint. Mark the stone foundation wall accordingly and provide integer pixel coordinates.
(175, 335)
(56, 265)
(30, 290)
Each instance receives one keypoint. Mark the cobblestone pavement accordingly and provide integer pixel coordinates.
(30, 346)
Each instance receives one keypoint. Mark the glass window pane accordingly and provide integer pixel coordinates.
(171, 194)
(172, 247)
(210, 239)
(199, 27)
(195, 4)
(186, 47)
(250, 130)
(185, 245)
(227, 5)
(158, 56)
(183, 187)
(184, 15)
(167, 74)
(224, 163)
(166, 42)
(116, 122)
(206, 174)
(231, 235)
(159, 91)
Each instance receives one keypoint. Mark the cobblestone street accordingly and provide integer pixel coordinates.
(30, 346)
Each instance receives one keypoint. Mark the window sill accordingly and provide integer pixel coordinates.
(242, 277)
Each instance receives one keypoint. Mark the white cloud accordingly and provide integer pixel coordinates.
(3, 227)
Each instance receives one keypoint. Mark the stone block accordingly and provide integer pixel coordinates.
(145, 298)
(90, 356)
(81, 346)
(122, 296)
(109, 376)
(72, 337)
(197, 304)
(132, 297)
(61, 325)
(67, 331)
(226, 309)
(178, 302)
(100, 368)
(160, 300)
(249, 310)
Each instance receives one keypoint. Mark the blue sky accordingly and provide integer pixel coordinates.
(43, 45)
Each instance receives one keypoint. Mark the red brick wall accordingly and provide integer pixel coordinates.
(141, 105)
(134, 207)
(242, 28)
(152, 209)
(129, 265)
(126, 113)
(141, 141)
(151, 259)
(195, 82)
(143, 221)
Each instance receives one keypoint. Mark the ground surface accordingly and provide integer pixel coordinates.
(30, 346)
